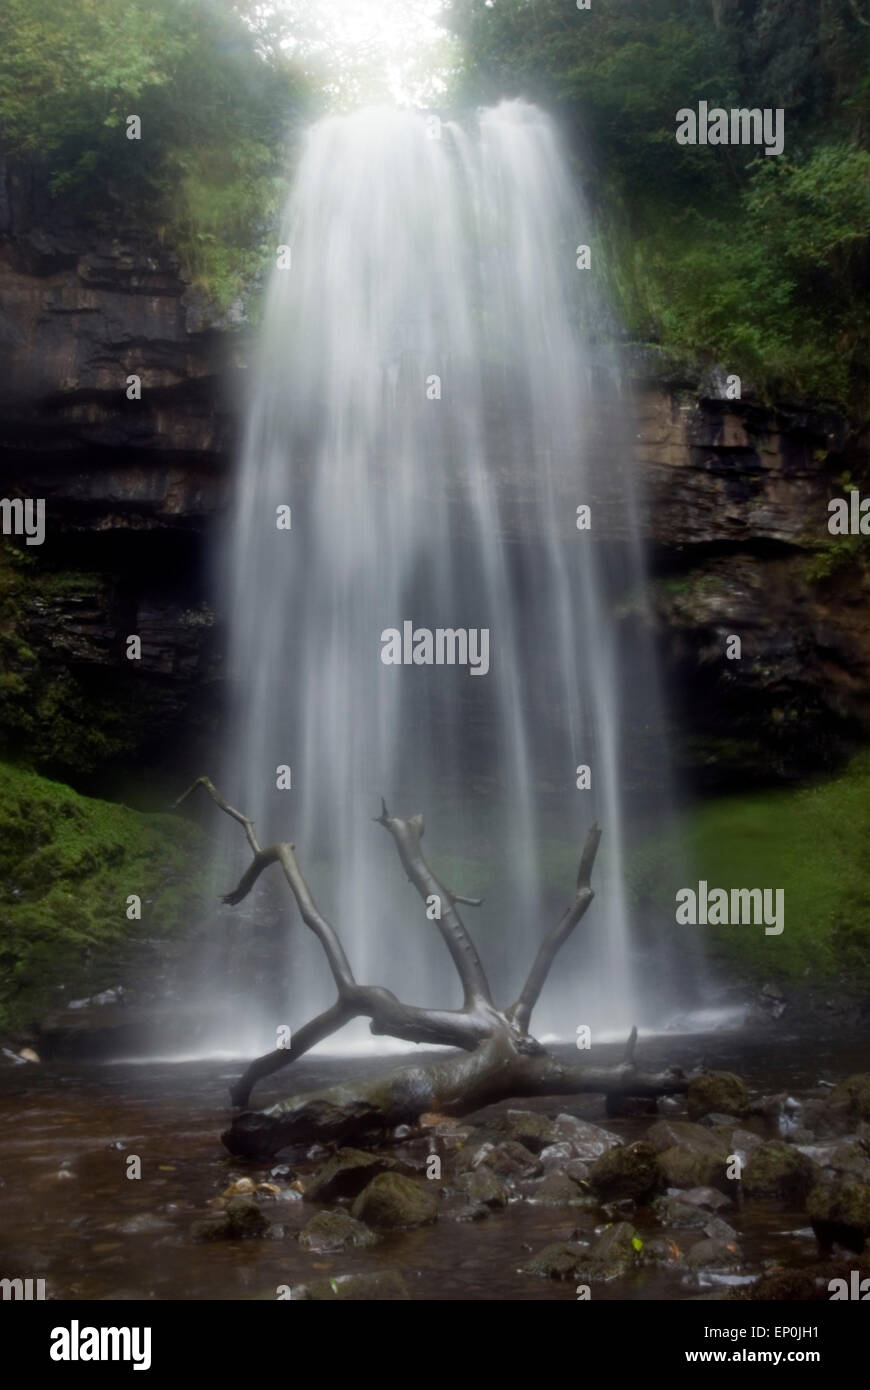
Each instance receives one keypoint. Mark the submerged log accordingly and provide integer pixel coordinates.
(499, 1059)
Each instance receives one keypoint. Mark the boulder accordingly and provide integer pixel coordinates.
(840, 1213)
(525, 1127)
(558, 1190)
(720, 1091)
(854, 1095)
(507, 1160)
(346, 1173)
(587, 1141)
(482, 1187)
(780, 1171)
(335, 1230)
(560, 1260)
(626, 1171)
(392, 1201)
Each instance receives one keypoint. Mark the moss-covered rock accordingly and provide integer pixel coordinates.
(780, 1171)
(392, 1201)
(68, 864)
(346, 1173)
(840, 1212)
(854, 1095)
(626, 1171)
(720, 1092)
(335, 1230)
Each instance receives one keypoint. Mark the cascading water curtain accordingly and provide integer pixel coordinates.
(418, 608)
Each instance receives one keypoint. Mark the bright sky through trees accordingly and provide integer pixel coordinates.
(363, 51)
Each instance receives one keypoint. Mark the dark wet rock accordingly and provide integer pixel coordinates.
(783, 1286)
(241, 1219)
(558, 1190)
(587, 1141)
(715, 1120)
(780, 1171)
(615, 1251)
(526, 1127)
(708, 1197)
(392, 1201)
(555, 1156)
(335, 1230)
(510, 1160)
(382, 1286)
(852, 1156)
(627, 1171)
(743, 1142)
(660, 1250)
(346, 1173)
(246, 1219)
(840, 1213)
(714, 1255)
(560, 1260)
(694, 1139)
(717, 1091)
(671, 1211)
(482, 1187)
(613, 1254)
(476, 1212)
(854, 1095)
(680, 1168)
(689, 1155)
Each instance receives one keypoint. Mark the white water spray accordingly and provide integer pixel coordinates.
(428, 403)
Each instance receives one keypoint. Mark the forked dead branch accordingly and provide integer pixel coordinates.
(500, 1059)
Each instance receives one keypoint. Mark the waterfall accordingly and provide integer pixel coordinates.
(430, 401)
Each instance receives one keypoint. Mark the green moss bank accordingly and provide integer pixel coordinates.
(68, 865)
(811, 842)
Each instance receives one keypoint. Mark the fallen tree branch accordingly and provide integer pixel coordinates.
(499, 1057)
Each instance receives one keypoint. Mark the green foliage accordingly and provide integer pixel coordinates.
(67, 866)
(215, 101)
(810, 842)
(722, 254)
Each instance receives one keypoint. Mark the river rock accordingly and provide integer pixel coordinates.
(241, 1219)
(626, 1171)
(481, 1186)
(613, 1254)
(558, 1190)
(720, 1091)
(854, 1095)
(714, 1254)
(392, 1201)
(335, 1230)
(247, 1221)
(508, 1160)
(587, 1141)
(840, 1213)
(779, 1170)
(526, 1127)
(346, 1173)
(560, 1260)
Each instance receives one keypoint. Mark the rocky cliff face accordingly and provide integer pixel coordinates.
(133, 489)
(738, 525)
(136, 494)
